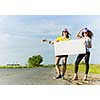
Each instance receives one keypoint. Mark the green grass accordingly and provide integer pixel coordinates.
(44, 66)
(94, 68)
(14, 67)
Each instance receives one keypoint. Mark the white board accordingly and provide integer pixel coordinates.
(70, 47)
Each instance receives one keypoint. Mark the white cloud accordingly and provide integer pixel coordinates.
(21, 28)
(4, 37)
(96, 24)
(3, 19)
(46, 27)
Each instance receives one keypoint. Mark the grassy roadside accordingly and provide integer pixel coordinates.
(94, 68)
(44, 66)
(14, 67)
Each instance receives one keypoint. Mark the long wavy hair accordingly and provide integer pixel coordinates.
(90, 34)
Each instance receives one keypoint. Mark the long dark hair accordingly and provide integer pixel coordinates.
(67, 36)
(90, 34)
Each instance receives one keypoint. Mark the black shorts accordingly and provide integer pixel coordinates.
(62, 56)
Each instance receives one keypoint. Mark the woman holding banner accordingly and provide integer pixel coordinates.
(64, 37)
(87, 35)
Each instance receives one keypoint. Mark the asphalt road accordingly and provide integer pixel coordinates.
(29, 76)
(42, 76)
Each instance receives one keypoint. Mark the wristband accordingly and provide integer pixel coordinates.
(49, 42)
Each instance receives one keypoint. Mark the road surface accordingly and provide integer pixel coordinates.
(28, 76)
(41, 76)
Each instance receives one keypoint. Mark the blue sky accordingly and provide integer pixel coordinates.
(20, 36)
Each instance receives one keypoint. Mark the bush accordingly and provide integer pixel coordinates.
(35, 61)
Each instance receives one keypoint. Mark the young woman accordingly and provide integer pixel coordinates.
(87, 35)
(64, 37)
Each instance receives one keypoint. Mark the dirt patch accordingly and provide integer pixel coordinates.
(93, 79)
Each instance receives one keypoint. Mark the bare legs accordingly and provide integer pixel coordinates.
(57, 60)
(64, 60)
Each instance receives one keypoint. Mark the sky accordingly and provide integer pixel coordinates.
(21, 35)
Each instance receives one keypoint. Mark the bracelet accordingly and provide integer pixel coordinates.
(49, 42)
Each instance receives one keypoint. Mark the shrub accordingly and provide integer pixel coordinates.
(35, 61)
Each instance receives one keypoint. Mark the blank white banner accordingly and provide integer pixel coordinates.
(70, 47)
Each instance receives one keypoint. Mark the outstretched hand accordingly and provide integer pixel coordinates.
(44, 40)
(47, 41)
